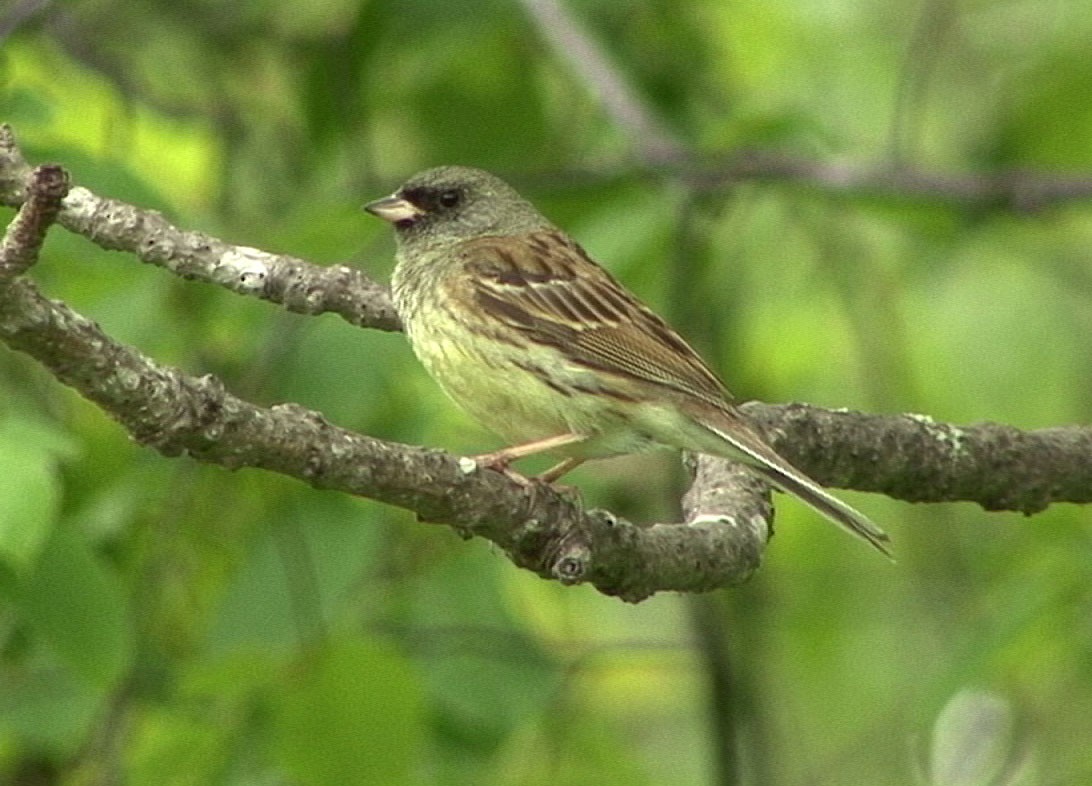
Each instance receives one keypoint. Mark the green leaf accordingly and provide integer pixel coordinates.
(486, 674)
(30, 492)
(52, 711)
(78, 607)
(326, 542)
(351, 713)
(162, 738)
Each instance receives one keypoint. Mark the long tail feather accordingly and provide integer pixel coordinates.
(749, 446)
(814, 495)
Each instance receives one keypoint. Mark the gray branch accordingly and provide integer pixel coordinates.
(726, 511)
(917, 459)
(539, 528)
(1018, 191)
(293, 283)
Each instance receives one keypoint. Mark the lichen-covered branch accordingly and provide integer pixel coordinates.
(24, 237)
(914, 458)
(161, 407)
(542, 530)
(726, 511)
(297, 285)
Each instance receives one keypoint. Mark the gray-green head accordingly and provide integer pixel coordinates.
(450, 204)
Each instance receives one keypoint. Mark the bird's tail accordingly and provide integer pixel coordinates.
(808, 491)
(754, 451)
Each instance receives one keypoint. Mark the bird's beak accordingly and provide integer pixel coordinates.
(394, 209)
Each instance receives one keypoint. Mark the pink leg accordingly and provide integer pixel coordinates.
(500, 459)
(556, 471)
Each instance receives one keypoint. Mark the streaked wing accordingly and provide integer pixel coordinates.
(545, 285)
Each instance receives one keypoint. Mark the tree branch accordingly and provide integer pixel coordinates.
(914, 458)
(1016, 190)
(293, 283)
(22, 242)
(541, 529)
(581, 52)
(664, 153)
(727, 513)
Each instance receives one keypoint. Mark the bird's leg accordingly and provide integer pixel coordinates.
(500, 459)
(562, 468)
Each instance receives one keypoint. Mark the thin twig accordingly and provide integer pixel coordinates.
(574, 45)
(46, 186)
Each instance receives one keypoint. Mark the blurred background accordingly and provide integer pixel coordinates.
(164, 622)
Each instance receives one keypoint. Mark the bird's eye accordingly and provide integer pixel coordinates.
(450, 198)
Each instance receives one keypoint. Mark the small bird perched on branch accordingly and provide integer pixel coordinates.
(531, 337)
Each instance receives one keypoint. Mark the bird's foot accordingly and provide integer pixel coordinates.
(500, 461)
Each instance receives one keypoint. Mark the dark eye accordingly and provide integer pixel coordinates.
(450, 198)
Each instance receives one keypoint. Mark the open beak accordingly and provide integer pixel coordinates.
(394, 209)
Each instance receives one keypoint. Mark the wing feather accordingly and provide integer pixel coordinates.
(545, 285)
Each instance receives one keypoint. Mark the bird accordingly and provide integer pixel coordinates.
(534, 339)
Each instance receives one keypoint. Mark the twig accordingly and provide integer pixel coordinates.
(292, 282)
(47, 186)
(654, 144)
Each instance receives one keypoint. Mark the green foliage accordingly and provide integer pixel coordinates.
(163, 622)
(29, 487)
(78, 608)
(350, 713)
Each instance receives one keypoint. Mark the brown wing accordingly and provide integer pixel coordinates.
(546, 286)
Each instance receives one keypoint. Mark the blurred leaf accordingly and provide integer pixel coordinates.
(485, 672)
(574, 748)
(22, 107)
(1047, 127)
(77, 606)
(494, 97)
(162, 738)
(351, 712)
(51, 712)
(234, 676)
(973, 741)
(29, 487)
(296, 575)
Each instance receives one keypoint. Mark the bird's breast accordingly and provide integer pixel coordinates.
(519, 389)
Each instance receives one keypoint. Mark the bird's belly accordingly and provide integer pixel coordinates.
(527, 393)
